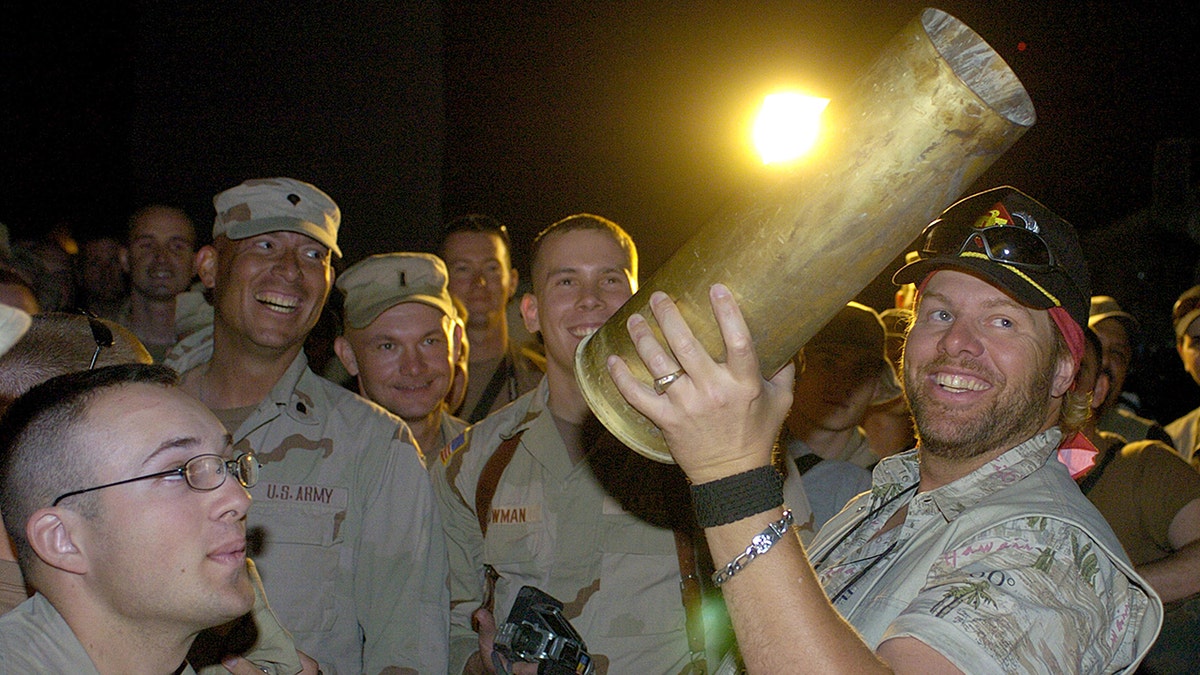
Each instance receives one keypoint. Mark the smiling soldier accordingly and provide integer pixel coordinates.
(344, 512)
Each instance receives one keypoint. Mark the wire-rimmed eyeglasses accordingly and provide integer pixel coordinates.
(204, 473)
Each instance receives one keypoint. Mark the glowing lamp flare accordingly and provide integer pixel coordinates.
(787, 126)
(922, 122)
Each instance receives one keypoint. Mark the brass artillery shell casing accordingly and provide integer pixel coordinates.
(927, 117)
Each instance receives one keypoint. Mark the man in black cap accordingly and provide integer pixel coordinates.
(973, 552)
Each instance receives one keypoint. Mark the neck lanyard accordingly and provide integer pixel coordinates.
(842, 539)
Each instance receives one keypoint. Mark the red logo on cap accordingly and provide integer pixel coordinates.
(998, 215)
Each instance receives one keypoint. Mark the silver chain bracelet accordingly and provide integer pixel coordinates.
(760, 544)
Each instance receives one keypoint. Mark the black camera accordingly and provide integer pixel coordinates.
(537, 631)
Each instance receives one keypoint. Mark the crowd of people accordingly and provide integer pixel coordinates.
(952, 484)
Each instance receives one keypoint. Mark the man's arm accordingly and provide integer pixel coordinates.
(1177, 576)
(400, 582)
(721, 420)
(464, 546)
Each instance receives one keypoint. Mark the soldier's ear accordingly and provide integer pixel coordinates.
(56, 536)
(345, 354)
(456, 342)
(513, 278)
(206, 266)
(529, 312)
(1064, 375)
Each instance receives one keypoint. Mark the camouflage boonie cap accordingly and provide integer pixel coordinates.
(1106, 307)
(1185, 311)
(376, 284)
(263, 205)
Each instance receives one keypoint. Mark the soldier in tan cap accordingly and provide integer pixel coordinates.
(401, 341)
(1116, 329)
(1185, 316)
(344, 526)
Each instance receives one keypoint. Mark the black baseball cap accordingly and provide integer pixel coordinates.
(1012, 241)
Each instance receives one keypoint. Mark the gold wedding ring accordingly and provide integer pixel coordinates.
(661, 383)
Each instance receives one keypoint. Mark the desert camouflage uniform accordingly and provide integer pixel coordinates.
(552, 525)
(451, 427)
(1185, 435)
(1008, 569)
(525, 369)
(34, 638)
(352, 554)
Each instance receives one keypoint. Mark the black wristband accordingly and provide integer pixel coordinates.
(742, 495)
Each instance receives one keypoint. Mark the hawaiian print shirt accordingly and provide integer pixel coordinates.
(1007, 569)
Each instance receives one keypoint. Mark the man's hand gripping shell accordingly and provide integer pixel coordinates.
(718, 419)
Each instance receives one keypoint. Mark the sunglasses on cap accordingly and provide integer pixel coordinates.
(1005, 244)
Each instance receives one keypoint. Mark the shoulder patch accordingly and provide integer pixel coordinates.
(453, 446)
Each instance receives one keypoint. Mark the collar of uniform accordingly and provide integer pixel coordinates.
(287, 394)
(857, 448)
(1012, 466)
(291, 396)
(450, 427)
(538, 399)
(191, 351)
(541, 438)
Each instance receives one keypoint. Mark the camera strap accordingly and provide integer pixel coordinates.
(505, 373)
(489, 479)
(685, 549)
(693, 605)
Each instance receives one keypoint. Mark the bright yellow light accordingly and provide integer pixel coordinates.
(787, 126)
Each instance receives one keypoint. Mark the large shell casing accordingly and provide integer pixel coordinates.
(928, 116)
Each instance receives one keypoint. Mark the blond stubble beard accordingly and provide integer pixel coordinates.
(1007, 422)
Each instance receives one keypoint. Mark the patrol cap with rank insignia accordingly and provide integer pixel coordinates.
(264, 205)
(376, 284)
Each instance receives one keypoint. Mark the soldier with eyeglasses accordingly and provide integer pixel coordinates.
(58, 343)
(127, 506)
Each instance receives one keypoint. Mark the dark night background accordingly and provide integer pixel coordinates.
(409, 113)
